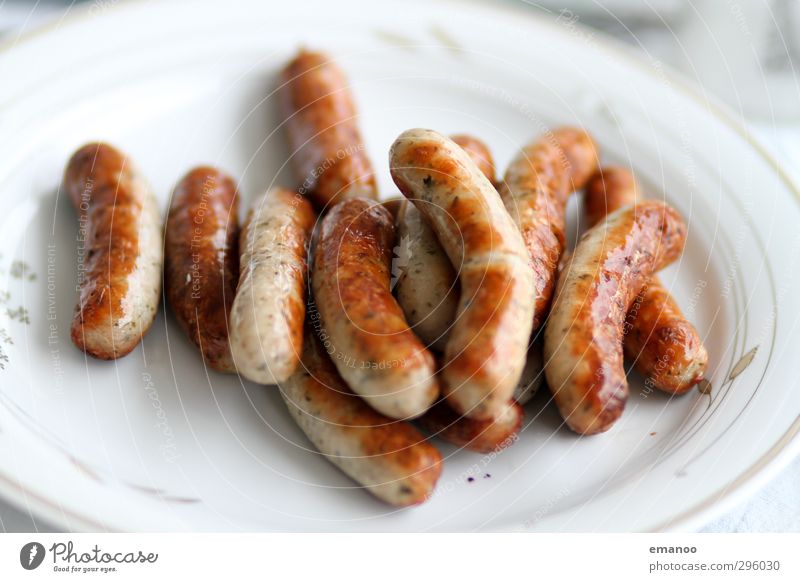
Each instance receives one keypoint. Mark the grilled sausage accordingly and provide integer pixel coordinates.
(535, 190)
(532, 375)
(201, 262)
(328, 152)
(393, 205)
(122, 255)
(583, 336)
(609, 189)
(391, 459)
(266, 327)
(479, 152)
(664, 346)
(481, 436)
(485, 353)
(427, 285)
(368, 337)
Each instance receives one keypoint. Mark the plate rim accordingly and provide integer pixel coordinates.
(783, 451)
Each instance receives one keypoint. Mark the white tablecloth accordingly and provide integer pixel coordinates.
(776, 508)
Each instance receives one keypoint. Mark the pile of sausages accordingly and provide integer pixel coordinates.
(446, 306)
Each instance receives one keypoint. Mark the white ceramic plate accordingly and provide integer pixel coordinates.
(154, 442)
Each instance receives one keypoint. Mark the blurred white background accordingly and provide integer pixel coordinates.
(744, 52)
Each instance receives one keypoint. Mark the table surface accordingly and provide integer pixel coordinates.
(775, 508)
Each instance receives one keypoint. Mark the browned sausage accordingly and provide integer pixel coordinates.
(393, 205)
(364, 329)
(479, 152)
(328, 153)
(583, 336)
(427, 285)
(533, 373)
(535, 190)
(485, 353)
(122, 254)
(609, 189)
(201, 262)
(661, 342)
(391, 459)
(481, 436)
